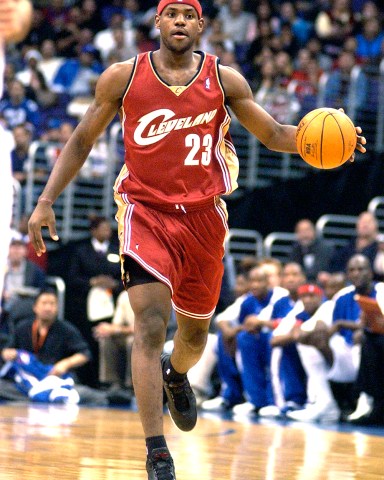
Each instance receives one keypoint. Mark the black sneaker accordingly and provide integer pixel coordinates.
(160, 465)
(181, 401)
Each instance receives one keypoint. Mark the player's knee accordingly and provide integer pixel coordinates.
(150, 331)
(195, 338)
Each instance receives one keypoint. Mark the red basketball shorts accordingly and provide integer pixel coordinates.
(182, 248)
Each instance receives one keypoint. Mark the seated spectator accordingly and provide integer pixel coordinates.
(238, 24)
(274, 270)
(311, 252)
(321, 406)
(334, 25)
(315, 48)
(378, 263)
(104, 40)
(253, 342)
(33, 79)
(23, 280)
(49, 62)
(60, 348)
(213, 34)
(287, 375)
(304, 82)
(115, 346)
(75, 75)
(144, 42)
(40, 30)
(19, 155)
(301, 28)
(119, 46)
(365, 242)
(337, 342)
(20, 232)
(19, 109)
(338, 91)
(370, 379)
(370, 42)
(227, 324)
(91, 16)
(227, 327)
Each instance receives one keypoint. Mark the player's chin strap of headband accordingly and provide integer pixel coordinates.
(193, 3)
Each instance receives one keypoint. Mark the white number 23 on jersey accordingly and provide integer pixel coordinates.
(194, 142)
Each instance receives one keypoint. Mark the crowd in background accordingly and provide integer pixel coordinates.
(282, 48)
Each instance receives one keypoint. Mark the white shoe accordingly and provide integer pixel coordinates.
(325, 413)
(217, 403)
(364, 407)
(270, 411)
(244, 409)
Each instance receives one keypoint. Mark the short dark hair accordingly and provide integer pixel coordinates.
(96, 221)
(45, 291)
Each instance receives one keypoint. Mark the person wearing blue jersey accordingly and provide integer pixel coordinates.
(362, 360)
(228, 326)
(253, 347)
(287, 375)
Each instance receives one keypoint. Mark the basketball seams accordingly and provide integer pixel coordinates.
(321, 138)
(305, 128)
(342, 137)
(321, 143)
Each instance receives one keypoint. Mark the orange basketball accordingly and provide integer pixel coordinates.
(326, 138)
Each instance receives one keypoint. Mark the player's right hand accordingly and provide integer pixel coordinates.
(42, 216)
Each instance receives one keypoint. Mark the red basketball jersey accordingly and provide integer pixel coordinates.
(178, 149)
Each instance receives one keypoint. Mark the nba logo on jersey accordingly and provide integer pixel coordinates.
(207, 84)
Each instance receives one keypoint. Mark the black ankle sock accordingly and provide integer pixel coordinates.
(155, 442)
(170, 374)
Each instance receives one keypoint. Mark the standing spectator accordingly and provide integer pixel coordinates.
(93, 284)
(311, 252)
(365, 242)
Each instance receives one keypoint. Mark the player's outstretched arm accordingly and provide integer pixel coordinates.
(253, 117)
(109, 91)
(15, 19)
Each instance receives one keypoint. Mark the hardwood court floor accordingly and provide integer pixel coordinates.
(71, 443)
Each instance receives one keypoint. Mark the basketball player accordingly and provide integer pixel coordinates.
(172, 223)
(15, 20)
